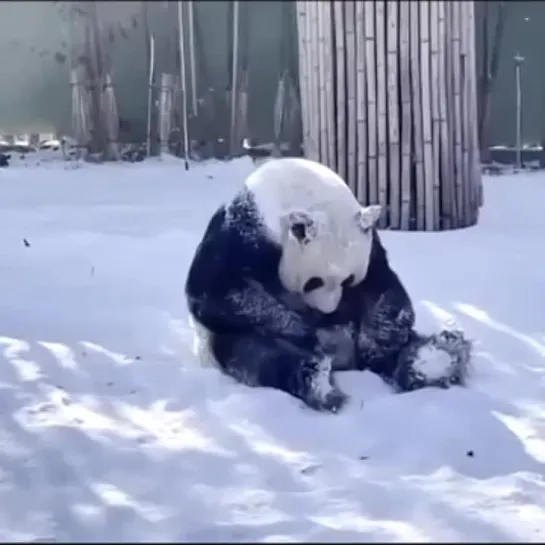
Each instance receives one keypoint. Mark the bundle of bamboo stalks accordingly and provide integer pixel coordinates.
(388, 98)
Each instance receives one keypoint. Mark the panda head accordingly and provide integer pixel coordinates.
(322, 254)
(325, 235)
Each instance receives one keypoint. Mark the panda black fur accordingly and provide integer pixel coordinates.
(262, 338)
(379, 318)
(263, 334)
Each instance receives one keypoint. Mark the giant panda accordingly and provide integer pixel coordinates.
(291, 283)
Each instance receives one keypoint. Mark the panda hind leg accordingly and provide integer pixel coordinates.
(440, 360)
(277, 363)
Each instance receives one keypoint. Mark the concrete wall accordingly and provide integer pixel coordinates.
(524, 34)
(34, 39)
(35, 96)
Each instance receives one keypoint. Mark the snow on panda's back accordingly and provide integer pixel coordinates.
(293, 184)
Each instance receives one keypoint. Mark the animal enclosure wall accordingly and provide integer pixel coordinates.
(522, 35)
(388, 96)
(34, 36)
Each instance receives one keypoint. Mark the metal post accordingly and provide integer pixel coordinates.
(518, 73)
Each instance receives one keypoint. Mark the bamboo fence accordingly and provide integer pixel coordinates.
(388, 99)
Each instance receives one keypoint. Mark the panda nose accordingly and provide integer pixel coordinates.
(331, 282)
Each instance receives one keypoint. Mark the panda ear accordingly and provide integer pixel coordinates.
(368, 216)
(300, 226)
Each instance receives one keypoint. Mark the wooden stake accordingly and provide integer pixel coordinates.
(165, 111)
(183, 83)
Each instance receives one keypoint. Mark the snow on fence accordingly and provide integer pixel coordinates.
(388, 98)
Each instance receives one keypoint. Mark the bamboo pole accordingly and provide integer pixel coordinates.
(447, 181)
(361, 182)
(394, 181)
(416, 99)
(322, 52)
(406, 120)
(371, 100)
(329, 84)
(405, 99)
(449, 75)
(350, 28)
(475, 149)
(340, 59)
(435, 113)
(304, 85)
(454, 13)
(431, 220)
(315, 71)
(382, 121)
(465, 90)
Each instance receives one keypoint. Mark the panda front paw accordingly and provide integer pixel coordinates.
(321, 393)
(441, 360)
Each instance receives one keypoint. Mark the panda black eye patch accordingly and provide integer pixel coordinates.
(348, 281)
(313, 284)
(299, 230)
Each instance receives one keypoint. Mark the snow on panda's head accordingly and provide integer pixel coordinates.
(325, 234)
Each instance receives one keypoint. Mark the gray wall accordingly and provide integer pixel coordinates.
(524, 34)
(34, 38)
(35, 96)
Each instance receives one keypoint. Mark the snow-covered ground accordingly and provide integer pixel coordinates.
(109, 430)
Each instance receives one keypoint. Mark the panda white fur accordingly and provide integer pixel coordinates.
(291, 282)
(323, 231)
